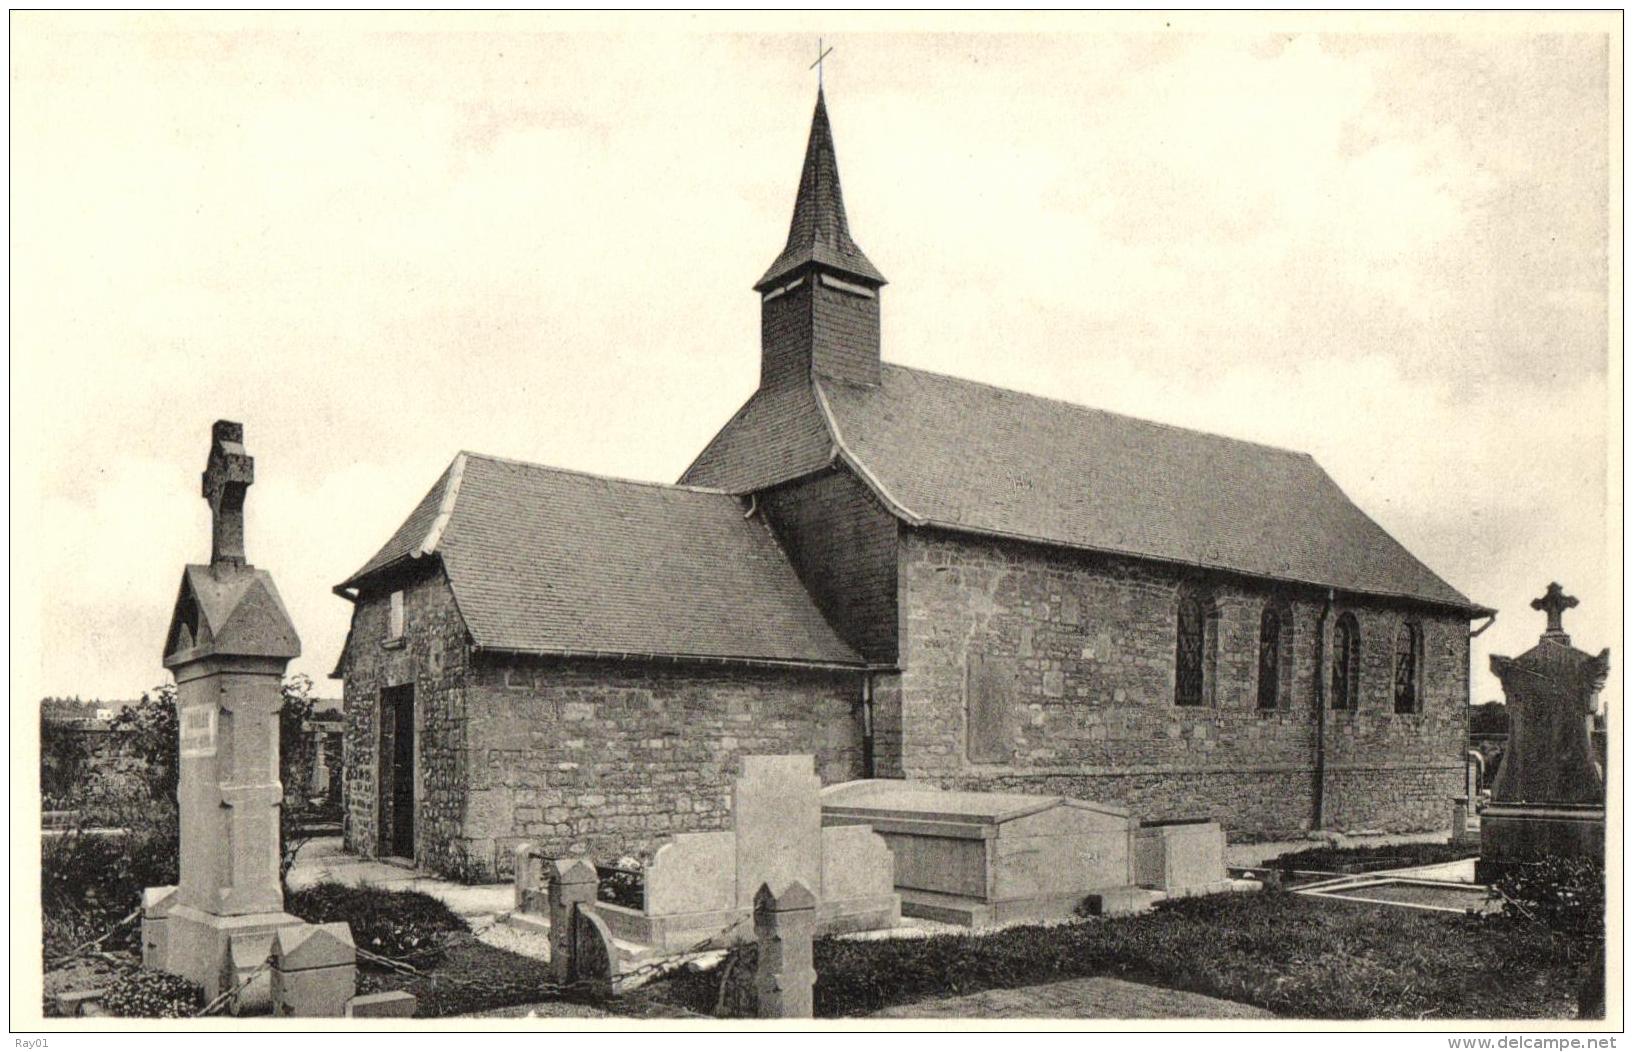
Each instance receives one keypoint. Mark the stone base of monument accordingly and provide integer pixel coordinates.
(219, 953)
(314, 970)
(1517, 833)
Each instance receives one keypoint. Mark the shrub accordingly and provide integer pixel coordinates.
(1371, 857)
(147, 994)
(1565, 894)
(621, 883)
(64, 758)
(403, 925)
(96, 877)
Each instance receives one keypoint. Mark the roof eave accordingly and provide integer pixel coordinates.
(1473, 610)
(858, 664)
(783, 269)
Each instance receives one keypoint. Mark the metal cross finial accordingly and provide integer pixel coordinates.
(817, 65)
(1554, 603)
(228, 474)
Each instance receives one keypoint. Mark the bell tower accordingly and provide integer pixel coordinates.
(819, 301)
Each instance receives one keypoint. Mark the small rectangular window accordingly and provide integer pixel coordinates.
(394, 617)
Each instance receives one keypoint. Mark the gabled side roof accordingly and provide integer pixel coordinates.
(960, 455)
(546, 561)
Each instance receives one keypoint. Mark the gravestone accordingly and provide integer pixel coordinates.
(701, 886)
(229, 643)
(776, 814)
(1549, 794)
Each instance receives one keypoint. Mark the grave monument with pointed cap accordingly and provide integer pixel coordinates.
(229, 642)
(1549, 795)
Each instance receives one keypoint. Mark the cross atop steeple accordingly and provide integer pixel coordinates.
(228, 474)
(1554, 603)
(817, 65)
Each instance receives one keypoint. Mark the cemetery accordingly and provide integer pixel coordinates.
(851, 897)
(845, 899)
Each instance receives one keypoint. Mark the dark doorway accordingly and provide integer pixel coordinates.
(397, 772)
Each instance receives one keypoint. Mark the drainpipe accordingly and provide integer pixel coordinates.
(867, 725)
(1321, 712)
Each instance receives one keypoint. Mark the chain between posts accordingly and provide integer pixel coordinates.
(668, 962)
(80, 950)
(226, 996)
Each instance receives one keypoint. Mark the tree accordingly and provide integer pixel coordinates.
(154, 739)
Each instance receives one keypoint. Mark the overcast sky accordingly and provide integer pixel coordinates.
(377, 243)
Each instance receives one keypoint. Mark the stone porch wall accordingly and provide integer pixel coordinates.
(605, 758)
(432, 656)
(1092, 640)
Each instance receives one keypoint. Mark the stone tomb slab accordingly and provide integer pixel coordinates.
(986, 858)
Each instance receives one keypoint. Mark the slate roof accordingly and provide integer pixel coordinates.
(818, 231)
(548, 561)
(952, 453)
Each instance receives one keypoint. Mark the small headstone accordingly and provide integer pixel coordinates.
(785, 978)
(394, 1004)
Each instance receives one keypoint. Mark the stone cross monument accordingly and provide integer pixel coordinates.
(1549, 795)
(229, 642)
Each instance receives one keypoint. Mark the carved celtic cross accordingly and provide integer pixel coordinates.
(227, 476)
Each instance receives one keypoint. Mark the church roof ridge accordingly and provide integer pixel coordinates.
(818, 232)
(596, 475)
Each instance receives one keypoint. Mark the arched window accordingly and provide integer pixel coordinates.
(1408, 648)
(1191, 637)
(1346, 662)
(1270, 633)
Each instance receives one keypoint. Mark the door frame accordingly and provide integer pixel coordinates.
(390, 699)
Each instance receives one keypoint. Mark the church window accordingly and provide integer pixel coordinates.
(1408, 654)
(1270, 644)
(1346, 663)
(1191, 650)
(394, 617)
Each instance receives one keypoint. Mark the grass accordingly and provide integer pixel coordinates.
(403, 925)
(1298, 957)
(470, 977)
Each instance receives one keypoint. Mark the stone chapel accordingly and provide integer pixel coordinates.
(909, 575)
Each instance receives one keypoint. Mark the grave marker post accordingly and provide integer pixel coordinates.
(785, 977)
(572, 882)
